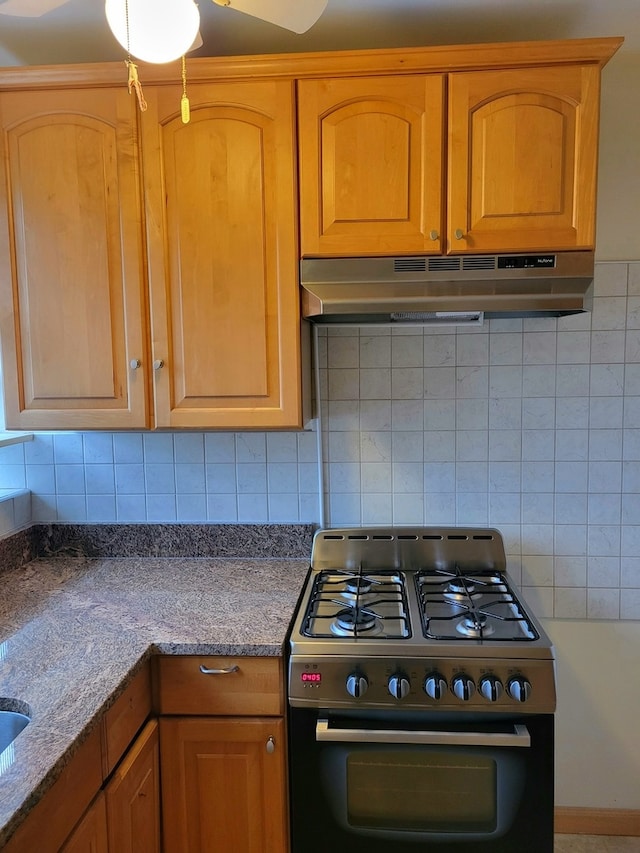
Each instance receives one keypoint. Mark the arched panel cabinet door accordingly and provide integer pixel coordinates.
(371, 165)
(72, 291)
(222, 247)
(522, 159)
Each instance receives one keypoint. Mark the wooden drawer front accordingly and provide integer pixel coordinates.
(254, 688)
(125, 718)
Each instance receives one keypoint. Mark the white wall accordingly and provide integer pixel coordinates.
(598, 682)
(618, 223)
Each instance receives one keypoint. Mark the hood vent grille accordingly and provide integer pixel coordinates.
(440, 264)
(438, 318)
(409, 264)
(479, 263)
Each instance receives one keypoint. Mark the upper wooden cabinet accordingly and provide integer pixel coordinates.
(523, 159)
(221, 215)
(371, 165)
(222, 239)
(72, 297)
(512, 167)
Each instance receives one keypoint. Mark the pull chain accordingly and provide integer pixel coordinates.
(185, 109)
(133, 81)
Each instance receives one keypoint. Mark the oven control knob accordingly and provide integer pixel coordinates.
(463, 686)
(435, 686)
(490, 687)
(399, 685)
(357, 685)
(519, 688)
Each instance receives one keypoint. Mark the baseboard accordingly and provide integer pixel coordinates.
(585, 821)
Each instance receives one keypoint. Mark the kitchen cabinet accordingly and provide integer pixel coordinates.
(72, 313)
(223, 755)
(90, 836)
(78, 815)
(133, 797)
(125, 816)
(225, 782)
(371, 165)
(220, 198)
(223, 348)
(523, 159)
(509, 166)
(52, 820)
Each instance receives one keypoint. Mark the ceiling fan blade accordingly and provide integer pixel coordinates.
(29, 8)
(197, 42)
(295, 15)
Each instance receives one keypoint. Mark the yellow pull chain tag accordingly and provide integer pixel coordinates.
(185, 110)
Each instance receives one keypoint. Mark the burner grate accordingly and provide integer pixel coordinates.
(460, 606)
(357, 604)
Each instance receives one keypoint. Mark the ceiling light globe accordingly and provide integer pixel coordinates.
(159, 30)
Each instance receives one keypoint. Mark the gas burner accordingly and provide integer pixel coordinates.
(353, 621)
(358, 585)
(460, 589)
(475, 625)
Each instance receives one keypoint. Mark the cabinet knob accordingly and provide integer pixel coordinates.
(135, 363)
(271, 745)
(158, 363)
(433, 235)
(459, 234)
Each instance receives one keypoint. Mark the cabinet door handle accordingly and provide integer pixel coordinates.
(135, 363)
(227, 671)
(433, 235)
(459, 234)
(271, 745)
(158, 363)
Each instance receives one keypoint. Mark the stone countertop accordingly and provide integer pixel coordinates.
(74, 630)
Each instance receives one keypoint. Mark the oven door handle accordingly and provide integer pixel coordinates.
(518, 737)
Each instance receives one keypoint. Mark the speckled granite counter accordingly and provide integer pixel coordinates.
(74, 630)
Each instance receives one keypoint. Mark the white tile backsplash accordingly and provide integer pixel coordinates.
(529, 425)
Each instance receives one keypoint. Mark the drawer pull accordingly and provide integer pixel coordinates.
(271, 745)
(227, 671)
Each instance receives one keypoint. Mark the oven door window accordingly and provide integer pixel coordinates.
(434, 792)
(424, 791)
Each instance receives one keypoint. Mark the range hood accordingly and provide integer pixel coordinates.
(459, 289)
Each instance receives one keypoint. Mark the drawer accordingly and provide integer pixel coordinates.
(228, 685)
(125, 717)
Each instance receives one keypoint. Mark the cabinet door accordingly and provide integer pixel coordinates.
(133, 797)
(522, 159)
(90, 836)
(222, 241)
(223, 785)
(371, 165)
(71, 263)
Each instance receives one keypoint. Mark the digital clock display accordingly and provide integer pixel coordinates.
(311, 677)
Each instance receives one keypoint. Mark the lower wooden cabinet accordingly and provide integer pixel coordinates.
(125, 816)
(207, 776)
(223, 784)
(90, 836)
(133, 798)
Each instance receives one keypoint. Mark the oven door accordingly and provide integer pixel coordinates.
(386, 781)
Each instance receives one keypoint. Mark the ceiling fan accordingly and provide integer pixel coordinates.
(295, 15)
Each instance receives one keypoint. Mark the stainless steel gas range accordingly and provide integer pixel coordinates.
(421, 697)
